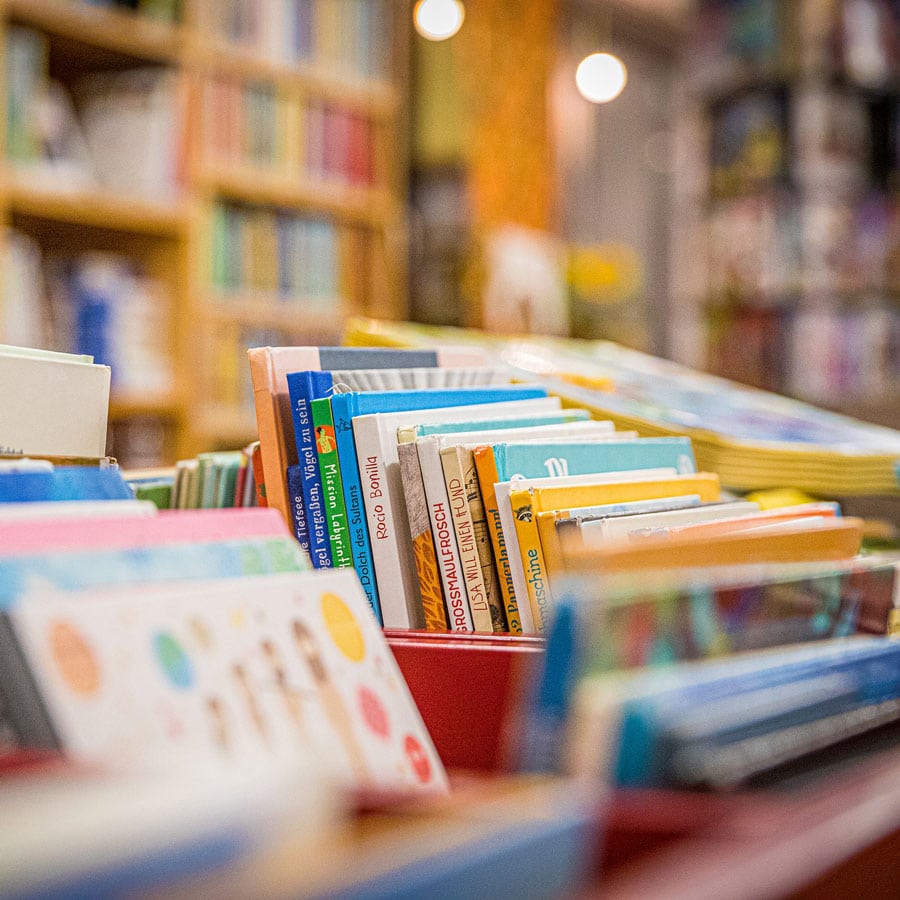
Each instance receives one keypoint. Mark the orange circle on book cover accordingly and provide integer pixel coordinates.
(74, 658)
(343, 627)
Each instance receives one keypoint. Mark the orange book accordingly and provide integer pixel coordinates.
(830, 539)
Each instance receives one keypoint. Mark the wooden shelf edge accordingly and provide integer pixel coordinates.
(291, 316)
(130, 34)
(376, 98)
(128, 406)
(365, 206)
(26, 195)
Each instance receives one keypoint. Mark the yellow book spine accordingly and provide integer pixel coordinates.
(486, 468)
(550, 545)
(539, 596)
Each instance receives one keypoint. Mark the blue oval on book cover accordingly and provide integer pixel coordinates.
(174, 661)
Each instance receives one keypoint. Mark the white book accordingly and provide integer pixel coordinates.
(596, 533)
(375, 435)
(507, 522)
(53, 406)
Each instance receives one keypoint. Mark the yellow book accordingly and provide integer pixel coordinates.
(802, 541)
(538, 584)
(550, 544)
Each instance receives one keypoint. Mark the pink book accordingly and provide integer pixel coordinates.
(114, 533)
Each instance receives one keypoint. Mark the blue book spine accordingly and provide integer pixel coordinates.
(298, 510)
(303, 388)
(343, 408)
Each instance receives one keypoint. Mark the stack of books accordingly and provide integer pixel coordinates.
(752, 439)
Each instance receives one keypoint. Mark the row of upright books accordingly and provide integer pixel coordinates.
(304, 139)
(344, 36)
(121, 130)
(464, 507)
(279, 255)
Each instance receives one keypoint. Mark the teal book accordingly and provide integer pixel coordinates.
(558, 459)
(332, 488)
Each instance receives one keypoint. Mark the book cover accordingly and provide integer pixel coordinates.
(427, 570)
(332, 489)
(40, 394)
(276, 663)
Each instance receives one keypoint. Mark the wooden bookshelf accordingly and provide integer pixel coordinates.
(173, 241)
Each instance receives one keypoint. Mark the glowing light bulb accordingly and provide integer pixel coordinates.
(438, 20)
(601, 77)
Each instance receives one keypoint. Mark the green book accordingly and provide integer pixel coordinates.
(332, 486)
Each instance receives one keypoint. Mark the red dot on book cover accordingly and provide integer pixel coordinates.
(374, 713)
(418, 758)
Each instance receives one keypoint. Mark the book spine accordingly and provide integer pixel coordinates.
(550, 545)
(422, 539)
(332, 489)
(444, 536)
(303, 389)
(360, 544)
(486, 469)
(533, 565)
(259, 482)
(299, 524)
(453, 464)
(396, 587)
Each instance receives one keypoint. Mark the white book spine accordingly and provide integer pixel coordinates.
(394, 571)
(449, 563)
(514, 557)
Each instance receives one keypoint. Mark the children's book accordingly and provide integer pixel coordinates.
(803, 540)
(226, 669)
(366, 426)
(332, 487)
(269, 367)
(52, 403)
(115, 531)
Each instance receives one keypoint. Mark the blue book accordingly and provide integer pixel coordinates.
(299, 524)
(716, 725)
(64, 483)
(303, 388)
(533, 460)
(345, 408)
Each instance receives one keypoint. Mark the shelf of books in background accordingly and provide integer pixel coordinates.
(799, 202)
(297, 179)
(211, 175)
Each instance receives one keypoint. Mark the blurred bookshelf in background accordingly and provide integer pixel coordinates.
(799, 212)
(183, 180)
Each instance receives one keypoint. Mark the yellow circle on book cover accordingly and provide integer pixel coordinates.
(343, 627)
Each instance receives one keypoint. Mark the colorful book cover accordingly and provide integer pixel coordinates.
(332, 489)
(64, 483)
(424, 552)
(274, 665)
